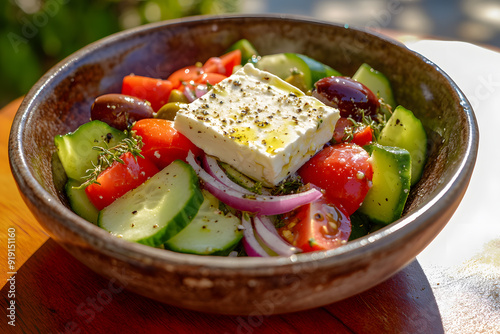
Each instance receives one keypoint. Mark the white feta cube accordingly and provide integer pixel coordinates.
(259, 124)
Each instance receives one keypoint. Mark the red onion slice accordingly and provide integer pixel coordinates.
(214, 169)
(250, 243)
(188, 93)
(260, 204)
(200, 90)
(267, 233)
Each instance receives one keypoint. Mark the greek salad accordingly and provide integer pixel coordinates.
(245, 155)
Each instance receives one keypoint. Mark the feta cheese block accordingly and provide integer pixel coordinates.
(258, 123)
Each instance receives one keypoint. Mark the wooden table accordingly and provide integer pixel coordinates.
(54, 293)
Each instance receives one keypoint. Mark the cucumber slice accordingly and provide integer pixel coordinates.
(330, 72)
(211, 232)
(404, 130)
(295, 67)
(75, 148)
(248, 52)
(158, 209)
(238, 178)
(360, 225)
(79, 201)
(284, 65)
(376, 82)
(318, 70)
(386, 199)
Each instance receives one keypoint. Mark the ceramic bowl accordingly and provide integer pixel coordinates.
(61, 100)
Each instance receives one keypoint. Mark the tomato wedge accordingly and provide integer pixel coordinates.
(210, 78)
(156, 91)
(224, 64)
(343, 171)
(363, 135)
(214, 65)
(185, 75)
(316, 226)
(162, 142)
(200, 85)
(118, 179)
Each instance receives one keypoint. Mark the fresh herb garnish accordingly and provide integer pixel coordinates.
(349, 131)
(280, 221)
(256, 188)
(290, 185)
(109, 155)
(320, 121)
(312, 242)
(376, 122)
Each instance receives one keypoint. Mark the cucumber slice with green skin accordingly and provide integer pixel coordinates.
(158, 209)
(329, 72)
(404, 130)
(211, 232)
(284, 65)
(360, 225)
(385, 201)
(75, 148)
(238, 178)
(79, 201)
(376, 82)
(248, 52)
(318, 70)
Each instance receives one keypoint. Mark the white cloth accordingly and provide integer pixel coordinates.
(463, 263)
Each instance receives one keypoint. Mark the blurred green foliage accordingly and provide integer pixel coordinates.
(36, 34)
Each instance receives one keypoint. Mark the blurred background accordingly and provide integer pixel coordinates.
(36, 34)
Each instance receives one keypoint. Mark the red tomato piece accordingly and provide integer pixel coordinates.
(156, 91)
(342, 130)
(162, 142)
(200, 84)
(346, 131)
(214, 65)
(224, 64)
(185, 75)
(316, 226)
(210, 78)
(118, 179)
(343, 171)
(363, 135)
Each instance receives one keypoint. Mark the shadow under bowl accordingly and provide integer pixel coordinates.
(60, 102)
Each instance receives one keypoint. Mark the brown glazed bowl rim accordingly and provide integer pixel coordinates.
(415, 220)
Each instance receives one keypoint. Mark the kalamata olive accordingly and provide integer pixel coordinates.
(120, 111)
(351, 97)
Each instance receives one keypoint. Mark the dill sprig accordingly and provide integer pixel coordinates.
(109, 155)
(376, 122)
(256, 188)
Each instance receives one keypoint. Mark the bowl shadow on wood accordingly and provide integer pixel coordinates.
(66, 295)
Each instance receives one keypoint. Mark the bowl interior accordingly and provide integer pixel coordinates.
(61, 101)
(63, 98)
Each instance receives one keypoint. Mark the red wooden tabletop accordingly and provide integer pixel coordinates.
(54, 293)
